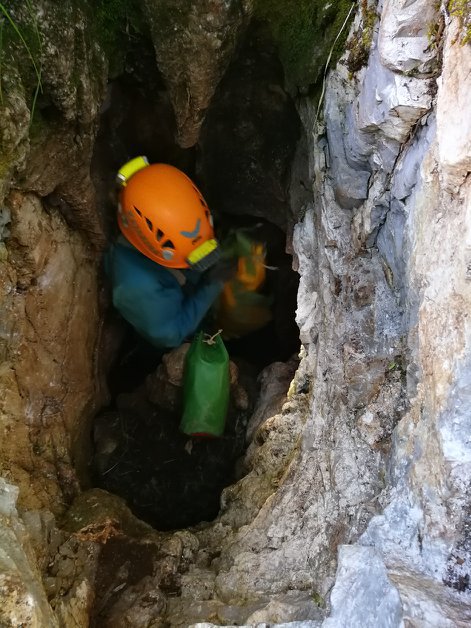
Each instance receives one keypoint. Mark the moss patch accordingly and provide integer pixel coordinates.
(304, 32)
(169, 16)
(20, 47)
(117, 21)
(462, 10)
(359, 44)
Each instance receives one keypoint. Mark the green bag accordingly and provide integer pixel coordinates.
(205, 387)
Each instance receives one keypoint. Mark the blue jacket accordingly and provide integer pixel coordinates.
(150, 297)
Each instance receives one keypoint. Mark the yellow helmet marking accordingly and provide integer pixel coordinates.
(204, 249)
(130, 168)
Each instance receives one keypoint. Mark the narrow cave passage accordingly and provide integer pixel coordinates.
(242, 165)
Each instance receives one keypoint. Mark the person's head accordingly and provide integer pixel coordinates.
(163, 214)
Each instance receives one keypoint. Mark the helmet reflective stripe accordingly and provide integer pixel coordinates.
(130, 168)
(202, 251)
(208, 260)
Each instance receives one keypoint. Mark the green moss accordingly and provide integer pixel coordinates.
(169, 16)
(116, 25)
(462, 10)
(5, 165)
(116, 21)
(360, 43)
(318, 600)
(21, 46)
(304, 32)
(38, 127)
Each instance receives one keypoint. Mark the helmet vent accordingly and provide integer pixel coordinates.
(168, 244)
(159, 235)
(149, 224)
(138, 211)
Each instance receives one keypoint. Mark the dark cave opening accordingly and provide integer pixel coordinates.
(242, 165)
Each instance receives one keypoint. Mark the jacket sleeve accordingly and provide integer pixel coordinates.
(162, 313)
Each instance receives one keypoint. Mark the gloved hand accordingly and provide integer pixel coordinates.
(222, 271)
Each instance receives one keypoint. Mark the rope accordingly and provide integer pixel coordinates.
(328, 61)
(210, 339)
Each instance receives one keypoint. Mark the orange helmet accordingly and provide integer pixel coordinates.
(163, 214)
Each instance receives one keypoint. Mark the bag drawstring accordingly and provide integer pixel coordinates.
(210, 340)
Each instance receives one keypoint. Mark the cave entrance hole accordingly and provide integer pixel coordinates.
(242, 165)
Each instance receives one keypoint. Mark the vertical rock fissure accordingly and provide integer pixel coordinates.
(250, 128)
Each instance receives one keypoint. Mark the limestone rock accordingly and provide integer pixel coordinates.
(359, 568)
(194, 44)
(164, 387)
(274, 384)
(70, 582)
(249, 136)
(49, 332)
(140, 606)
(14, 137)
(390, 101)
(351, 179)
(94, 508)
(405, 39)
(419, 542)
(378, 118)
(57, 164)
(23, 598)
(454, 128)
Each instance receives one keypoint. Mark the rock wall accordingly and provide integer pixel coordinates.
(420, 540)
(194, 44)
(50, 320)
(48, 375)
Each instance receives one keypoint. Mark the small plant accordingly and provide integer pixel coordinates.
(304, 32)
(462, 10)
(9, 29)
(360, 43)
(432, 33)
(118, 24)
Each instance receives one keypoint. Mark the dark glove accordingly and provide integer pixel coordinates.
(222, 271)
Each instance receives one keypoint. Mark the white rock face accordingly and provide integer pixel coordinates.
(421, 540)
(362, 582)
(24, 602)
(404, 39)
(453, 120)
